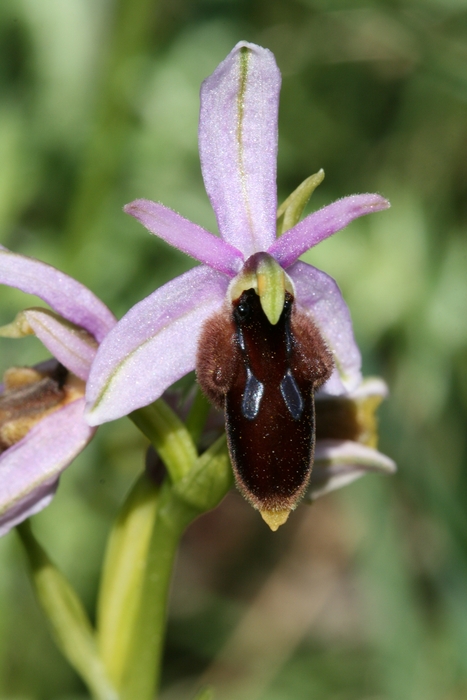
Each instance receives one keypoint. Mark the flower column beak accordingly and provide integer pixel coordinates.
(270, 282)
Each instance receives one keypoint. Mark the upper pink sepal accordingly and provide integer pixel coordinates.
(238, 146)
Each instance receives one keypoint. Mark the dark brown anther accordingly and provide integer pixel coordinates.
(265, 376)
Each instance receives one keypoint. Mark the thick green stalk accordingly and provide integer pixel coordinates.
(169, 436)
(201, 489)
(69, 622)
(142, 673)
(142, 549)
(123, 574)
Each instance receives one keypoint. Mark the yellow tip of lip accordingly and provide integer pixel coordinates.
(274, 518)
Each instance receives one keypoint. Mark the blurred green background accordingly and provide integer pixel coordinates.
(363, 596)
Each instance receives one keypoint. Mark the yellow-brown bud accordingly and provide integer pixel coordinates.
(31, 394)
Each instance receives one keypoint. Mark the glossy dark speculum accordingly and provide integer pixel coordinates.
(265, 376)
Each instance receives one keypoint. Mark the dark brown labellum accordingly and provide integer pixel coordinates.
(265, 376)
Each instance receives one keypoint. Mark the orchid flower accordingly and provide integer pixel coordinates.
(42, 426)
(196, 319)
(347, 438)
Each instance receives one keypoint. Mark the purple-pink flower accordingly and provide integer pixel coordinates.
(31, 465)
(156, 343)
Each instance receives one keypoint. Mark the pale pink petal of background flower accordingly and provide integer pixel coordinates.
(64, 295)
(70, 347)
(30, 469)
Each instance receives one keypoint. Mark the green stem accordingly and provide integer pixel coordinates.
(122, 576)
(131, 640)
(69, 622)
(168, 435)
(143, 666)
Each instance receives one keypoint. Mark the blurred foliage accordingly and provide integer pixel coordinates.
(364, 596)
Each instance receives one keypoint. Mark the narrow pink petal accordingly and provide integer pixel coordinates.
(370, 386)
(346, 453)
(30, 469)
(65, 295)
(153, 345)
(318, 295)
(186, 236)
(238, 146)
(340, 462)
(322, 224)
(75, 350)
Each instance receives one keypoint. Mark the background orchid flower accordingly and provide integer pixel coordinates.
(42, 427)
(347, 438)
